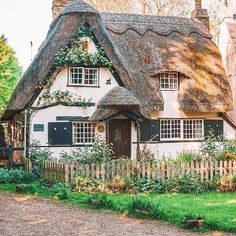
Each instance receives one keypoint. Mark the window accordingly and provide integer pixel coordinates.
(169, 81)
(192, 129)
(83, 76)
(170, 129)
(181, 129)
(83, 132)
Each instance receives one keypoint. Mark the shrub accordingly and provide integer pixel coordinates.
(89, 185)
(187, 157)
(227, 183)
(60, 191)
(15, 176)
(98, 152)
(143, 208)
(190, 183)
(146, 185)
(99, 201)
(212, 145)
(226, 155)
(37, 155)
(120, 185)
(187, 183)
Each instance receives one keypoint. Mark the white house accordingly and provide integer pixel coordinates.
(128, 78)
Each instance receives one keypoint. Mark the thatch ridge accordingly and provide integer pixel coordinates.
(118, 96)
(138, 54)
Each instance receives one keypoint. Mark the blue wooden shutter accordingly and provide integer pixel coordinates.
(150, 130)
(60, 133)
(214, 126)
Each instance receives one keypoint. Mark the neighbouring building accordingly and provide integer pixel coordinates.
(133, 80)
(227, 46)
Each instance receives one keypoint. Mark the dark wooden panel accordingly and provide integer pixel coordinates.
(150, 130)
(214, 126)
(60, 133)
(120, 137)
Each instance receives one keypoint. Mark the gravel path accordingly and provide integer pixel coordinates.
(28, 216)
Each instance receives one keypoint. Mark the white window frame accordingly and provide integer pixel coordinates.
(165, 78)
(84, 69)
(83, 134)
(182, 130)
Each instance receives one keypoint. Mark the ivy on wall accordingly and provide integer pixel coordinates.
(74, 54)
(65, 98)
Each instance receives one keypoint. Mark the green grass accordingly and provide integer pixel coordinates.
(217, 209)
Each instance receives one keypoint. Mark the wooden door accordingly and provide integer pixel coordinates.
(120, 137)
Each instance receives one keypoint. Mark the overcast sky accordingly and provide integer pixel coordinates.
(22, 21)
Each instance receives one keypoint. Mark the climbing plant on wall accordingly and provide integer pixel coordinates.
(74, 53)
(66, 98)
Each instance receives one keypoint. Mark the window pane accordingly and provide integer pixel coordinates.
(169, 81)
(192, 129)
(83, 133)
(76, 75)
(91, 76)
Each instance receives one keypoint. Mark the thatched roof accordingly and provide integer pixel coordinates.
(140, 47)
(118, 96)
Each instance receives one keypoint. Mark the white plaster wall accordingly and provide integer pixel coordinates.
(171, 111)
(60, 83)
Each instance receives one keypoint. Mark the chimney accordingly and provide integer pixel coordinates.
(201, 14)
(59, 5)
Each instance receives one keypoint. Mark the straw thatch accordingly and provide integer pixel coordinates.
(118, 96)
(140, 47)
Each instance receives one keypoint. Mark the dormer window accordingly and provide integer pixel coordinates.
(83, 76)
(169, 81)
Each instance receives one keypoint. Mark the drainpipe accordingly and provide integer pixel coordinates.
(25, 132)
(138, 140)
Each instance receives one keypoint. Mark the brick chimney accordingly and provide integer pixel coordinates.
(201, 14)
(59, 5)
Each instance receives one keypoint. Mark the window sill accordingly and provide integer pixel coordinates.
(83, 86)
(169, 141)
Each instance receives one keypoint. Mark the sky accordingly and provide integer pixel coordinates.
(23, 21)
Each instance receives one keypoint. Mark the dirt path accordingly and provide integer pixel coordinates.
(28, 216)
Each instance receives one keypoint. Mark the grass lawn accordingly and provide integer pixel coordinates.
(217, 209)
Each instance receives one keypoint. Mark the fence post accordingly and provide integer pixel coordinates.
(10, 156)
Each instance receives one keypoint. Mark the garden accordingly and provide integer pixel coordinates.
(184, 199)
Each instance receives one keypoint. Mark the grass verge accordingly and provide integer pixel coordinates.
(218, 210)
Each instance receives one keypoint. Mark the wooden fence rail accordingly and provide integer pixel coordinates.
(60, 171)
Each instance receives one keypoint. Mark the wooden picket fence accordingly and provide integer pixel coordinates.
(53, 170)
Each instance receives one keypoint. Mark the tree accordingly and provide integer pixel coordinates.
(10, 72)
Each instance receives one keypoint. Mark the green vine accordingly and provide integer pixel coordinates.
(74, 54)
(64, 98)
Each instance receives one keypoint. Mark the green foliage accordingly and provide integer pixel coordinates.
(186, 157)
(146, 185)
(61, 97)
(142, 207)
(120, 185)
(212, 145)
(60, 191)
(99, 201)
(37, 155)
(98, 152)
(15, 176)
(9, 72)
(87, 185)
(74, 54)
